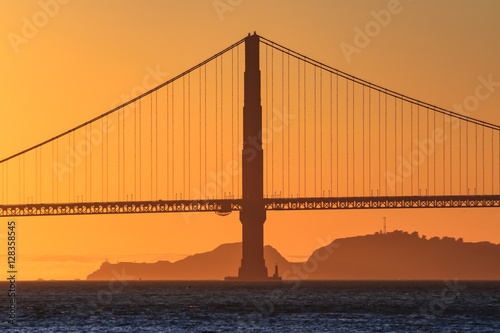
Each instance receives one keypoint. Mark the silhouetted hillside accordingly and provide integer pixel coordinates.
(395, 255)
(400, 255)
(214, 265)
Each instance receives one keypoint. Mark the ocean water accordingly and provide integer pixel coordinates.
(287, 306)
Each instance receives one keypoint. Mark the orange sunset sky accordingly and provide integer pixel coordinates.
(90, 54)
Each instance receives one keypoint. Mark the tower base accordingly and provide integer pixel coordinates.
(253, 277)
(237, 278)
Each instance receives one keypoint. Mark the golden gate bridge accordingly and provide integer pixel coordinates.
(259, 127)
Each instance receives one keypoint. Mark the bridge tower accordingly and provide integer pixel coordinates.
(253, 213)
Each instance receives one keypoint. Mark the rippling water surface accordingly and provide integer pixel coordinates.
(216, 306)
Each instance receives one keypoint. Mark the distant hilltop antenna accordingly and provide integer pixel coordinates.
(385, 226)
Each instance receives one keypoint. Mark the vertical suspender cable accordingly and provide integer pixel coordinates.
(24, 176)
(140, 147)
(7, 182)
(451, 158)
(183, 137)
(53, 159)
(492, 190)
(347, 136)
(119, 159)
(477, 166)
(370, 141)
(107, 160)
(216, 134)
(283, 118)
(467, 157)
(232, 118)
(57, 173)
(428, 191)
(41, 179)
(167, 183)
(199, 126)
(353, 142)
(188, 194)
(411, 147)
(298, 122)
(167, 143)
(272, 122)
(305, 129)
(331, 136)
(315, 134)
(321, 132)
(395, 146)
(435, 155)
(156, 144)
(90, 161)
(19, 179)
(418, 149)
(267, 122)
(363, 139)
(74, 166)
(36, 175)
(221, 122)
(102, 160)
(385, 141)
(484, 187)
(71, 167)
(86, 164)
(402, 146)
(444, 156)
(238, 107)
(205, 129)
(460, 157)
(123, 154)
(379, 145)
(288, 122)
(174, 133)
(135, 147)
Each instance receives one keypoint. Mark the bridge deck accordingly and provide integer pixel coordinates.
(224, 206)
